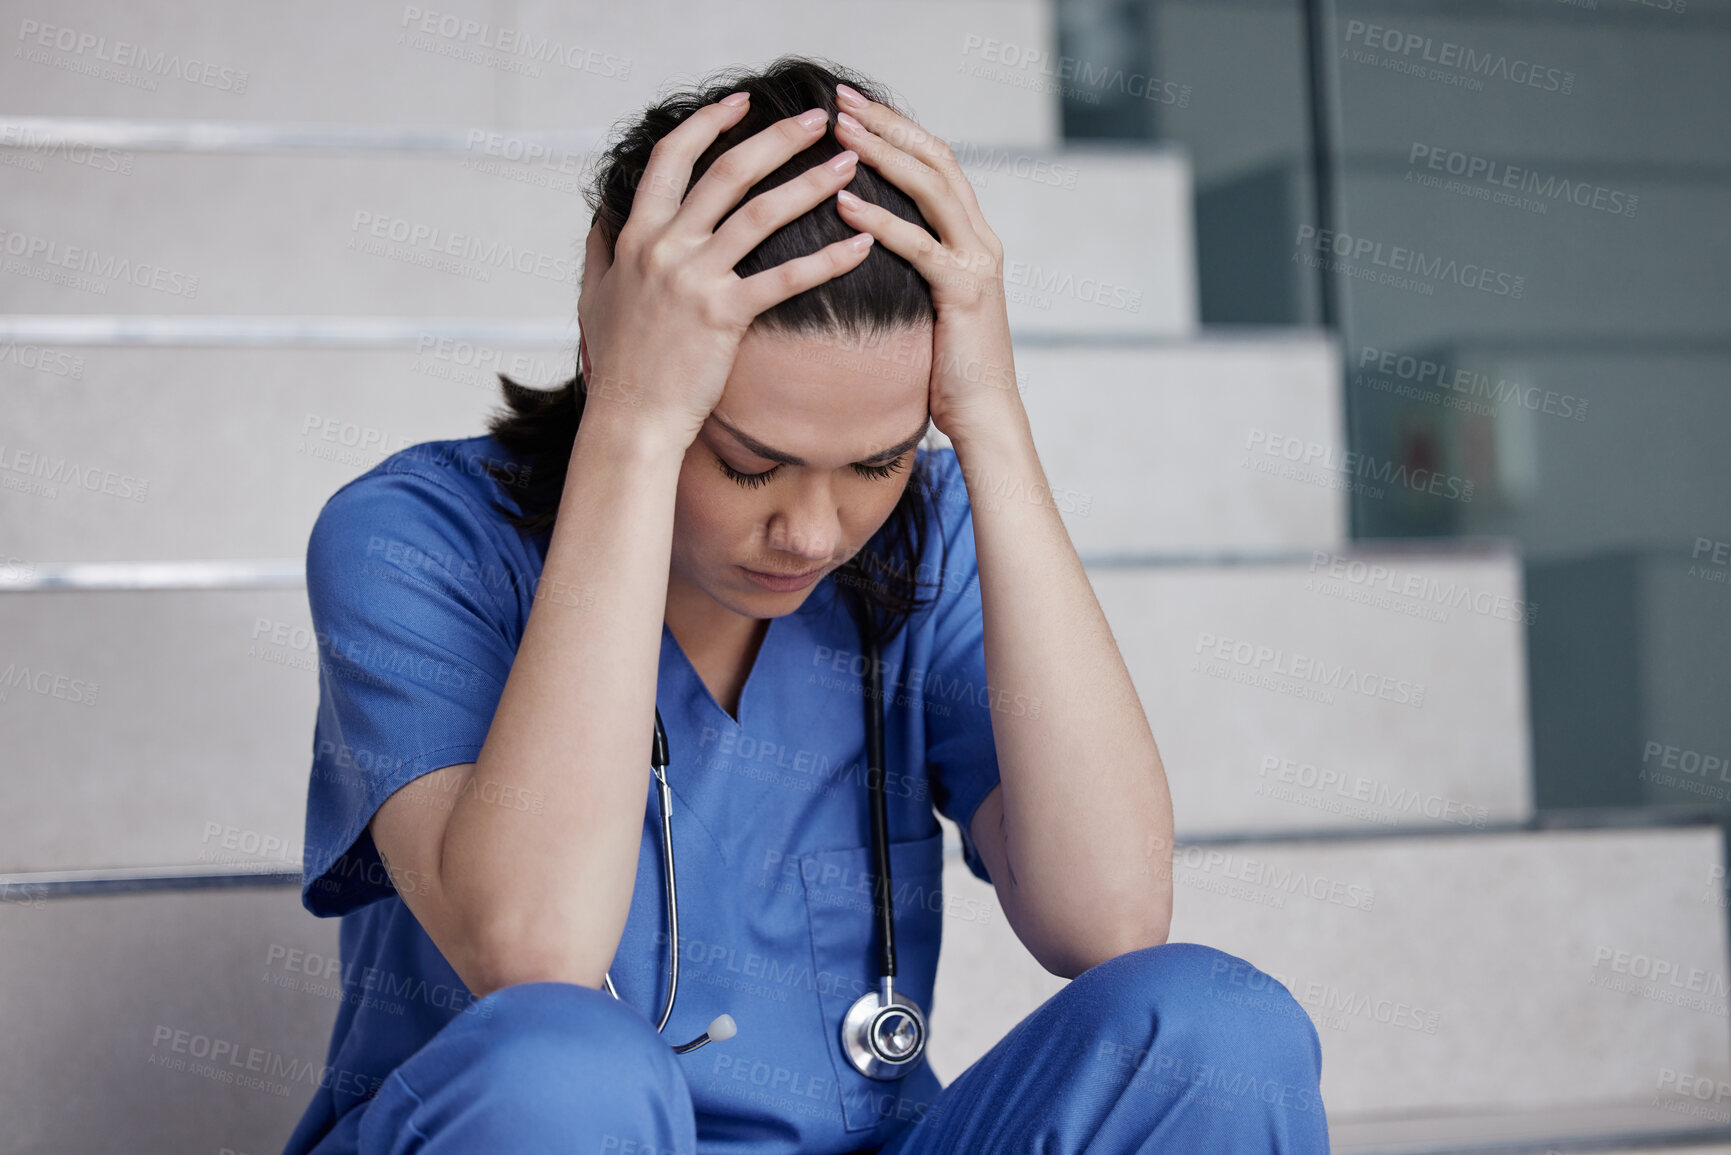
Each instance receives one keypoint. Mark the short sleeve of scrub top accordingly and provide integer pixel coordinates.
(420, 592)
(415, 604)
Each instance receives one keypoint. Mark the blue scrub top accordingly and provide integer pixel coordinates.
(420, 591)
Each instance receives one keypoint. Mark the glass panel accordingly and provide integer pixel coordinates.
(1525, 245)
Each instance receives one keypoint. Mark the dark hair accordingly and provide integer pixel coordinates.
(883, 292)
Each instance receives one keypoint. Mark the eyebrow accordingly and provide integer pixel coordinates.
(755, 446)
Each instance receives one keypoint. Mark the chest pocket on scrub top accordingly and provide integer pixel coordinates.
(838, 897)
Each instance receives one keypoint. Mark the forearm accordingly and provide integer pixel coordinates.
(1087, 819)
(1087, 816)
(548, 893)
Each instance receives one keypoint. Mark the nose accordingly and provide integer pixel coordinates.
(809, 525)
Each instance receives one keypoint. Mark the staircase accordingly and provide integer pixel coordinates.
(1344, 725)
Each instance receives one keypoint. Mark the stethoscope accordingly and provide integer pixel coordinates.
(884, 1031)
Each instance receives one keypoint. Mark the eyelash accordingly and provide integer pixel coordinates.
(754, 480)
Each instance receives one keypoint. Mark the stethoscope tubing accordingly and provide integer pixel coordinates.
(875, 1063)
(658, 761)
(881, 892)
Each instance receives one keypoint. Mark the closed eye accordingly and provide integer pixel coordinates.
(753, 480)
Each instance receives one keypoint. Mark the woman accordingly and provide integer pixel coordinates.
(785, 281)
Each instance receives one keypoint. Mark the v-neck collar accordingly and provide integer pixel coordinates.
(757, 663)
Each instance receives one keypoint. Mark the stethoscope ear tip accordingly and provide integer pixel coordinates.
(722, 1029)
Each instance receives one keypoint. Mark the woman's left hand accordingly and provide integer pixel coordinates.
(973, 369)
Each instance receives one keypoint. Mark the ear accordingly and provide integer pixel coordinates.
(596, 262)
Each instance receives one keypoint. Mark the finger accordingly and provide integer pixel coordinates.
(968, 269)
(926, 185)
(768, 211)
(762, 290)
(733, 173)
(916, 141)
(662, 185)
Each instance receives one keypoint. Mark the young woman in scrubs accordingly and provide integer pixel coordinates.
(785, 281)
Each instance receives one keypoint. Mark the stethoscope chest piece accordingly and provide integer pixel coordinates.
(883, 1039)
(884, 1033)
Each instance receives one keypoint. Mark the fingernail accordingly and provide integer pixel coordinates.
(849, 97)
(861, 242)
(847, 198)
(844, 118)
(813, 118)
(736, 99)
(841, 162)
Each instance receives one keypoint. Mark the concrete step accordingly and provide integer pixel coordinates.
(1188, 447)
(156, 728)
(349, 233)
(973, 71)
(1355, 691)
(283, 430)
(1153, 448)
(1287, 697)
(1421, 1048)
(1672, 1124)
(182, 1021)
(1095, 241)
(1461, 986)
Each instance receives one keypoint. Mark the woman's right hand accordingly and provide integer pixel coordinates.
(662, 320)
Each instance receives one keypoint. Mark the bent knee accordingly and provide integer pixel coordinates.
(538, 1058)
(536, 1032)
(1200, 998)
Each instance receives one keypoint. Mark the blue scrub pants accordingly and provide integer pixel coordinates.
(1175, 1049)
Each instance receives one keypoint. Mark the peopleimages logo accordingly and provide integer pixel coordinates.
(1381, 800)
(120, 54)
(105, 266)
(1082, 74)
(46, 683)
(1497, 174)
(1328, 461)
(55, 362)
(43, 474)
(983, 162)
(1374, 578)
(1670, 972)
(40, 143)
(1470, 383)
(1308, 668)
(463, 33)
(468, 251)
(1415, 48)
(1395, 262)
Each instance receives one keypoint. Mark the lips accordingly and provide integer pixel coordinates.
(782, 583)
(769, 573)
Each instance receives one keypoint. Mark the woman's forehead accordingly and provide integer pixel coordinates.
(800, 393)
(843, 373)
(899, 357)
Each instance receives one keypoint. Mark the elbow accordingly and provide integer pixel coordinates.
(1159, 929)
(504, 956)
(1074, 963)
(1132, 927)
(505, 940)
